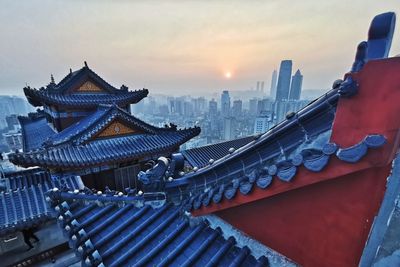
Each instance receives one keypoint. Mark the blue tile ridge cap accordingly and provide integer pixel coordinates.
(139, 199)
(314, 160)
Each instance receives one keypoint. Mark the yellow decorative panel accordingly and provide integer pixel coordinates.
(115, 128)
(88, 86)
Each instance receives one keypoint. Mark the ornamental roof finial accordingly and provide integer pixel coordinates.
(52, 79)
(86, 64)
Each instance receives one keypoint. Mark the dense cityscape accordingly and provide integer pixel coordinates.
(230, 114)
(225, 116)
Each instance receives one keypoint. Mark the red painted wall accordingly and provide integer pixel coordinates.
(325, 224)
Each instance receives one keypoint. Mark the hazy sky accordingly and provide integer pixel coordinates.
(182, 47)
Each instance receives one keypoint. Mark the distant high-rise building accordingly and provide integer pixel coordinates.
(264, 105)
(199, 105)
(261, 124)
(262, 86)
(237, 108)
(285, 73)
(225, 104)
(229, 128)
(187, 109)
(273, 85)
(253, 106)
(258, 86)
(212, 107)
(295, 88)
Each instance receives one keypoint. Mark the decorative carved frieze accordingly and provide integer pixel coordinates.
(89, 86)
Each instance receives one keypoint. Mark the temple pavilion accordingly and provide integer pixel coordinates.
(84, 127)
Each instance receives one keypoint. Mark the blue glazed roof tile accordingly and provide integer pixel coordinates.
(58, 94)
(314, 160)
(73, 147)
(200, 156)
(35, 131)
(128, 235)
(23, 203)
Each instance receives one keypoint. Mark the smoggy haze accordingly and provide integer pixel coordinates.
(182, 47)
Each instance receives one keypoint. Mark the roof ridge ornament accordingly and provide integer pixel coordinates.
(380, 37)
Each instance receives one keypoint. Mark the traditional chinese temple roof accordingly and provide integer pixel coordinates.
(133, 235)
(23, 204)
(83, 88)
(108, 135)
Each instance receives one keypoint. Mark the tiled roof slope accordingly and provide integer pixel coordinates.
(128, 235)
(27, 178)
(74, 148)
(35, 131)
(38, 97)
(104, 151)
(200, 156)
(23, 203)
(89, 126)
(59, 94)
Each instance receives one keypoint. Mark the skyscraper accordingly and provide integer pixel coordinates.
(295, 88)
(253, 106)
(229, 128)
(237, 108)
(285, 73)
(273, 85)
(262, 86)
(261, 124)
(212, 108)
(225, 104)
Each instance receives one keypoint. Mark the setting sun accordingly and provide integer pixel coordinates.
(228, 74)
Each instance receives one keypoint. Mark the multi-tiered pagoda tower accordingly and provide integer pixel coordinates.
(85, 128)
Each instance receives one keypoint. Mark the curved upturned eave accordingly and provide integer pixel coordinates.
(41, 157)
(39, 98)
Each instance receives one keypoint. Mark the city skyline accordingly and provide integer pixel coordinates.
(176, 47)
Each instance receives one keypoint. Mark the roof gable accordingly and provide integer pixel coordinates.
(82, 88)
(115, 128)
(89, 87)
(107, 121)
(84, 81)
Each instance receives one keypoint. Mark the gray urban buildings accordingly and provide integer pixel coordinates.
(283, 87)
(273, 85)
(295, 87)
(225, 103)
